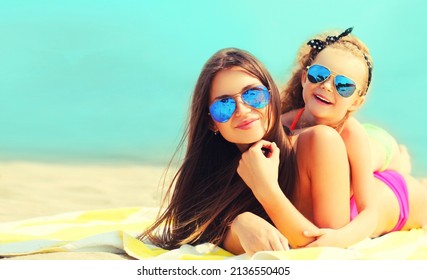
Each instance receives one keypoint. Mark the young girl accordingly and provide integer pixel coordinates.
(330, 83)
(384, 148)
(235, 103)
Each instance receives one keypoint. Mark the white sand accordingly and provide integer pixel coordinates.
(29, 190)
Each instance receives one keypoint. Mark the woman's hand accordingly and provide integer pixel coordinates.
(259, 166)
(256, 234)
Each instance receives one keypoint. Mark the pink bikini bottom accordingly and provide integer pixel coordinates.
(398, 185)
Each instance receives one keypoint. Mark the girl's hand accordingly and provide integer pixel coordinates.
(325, 237)
(259, 166)
(256, 234)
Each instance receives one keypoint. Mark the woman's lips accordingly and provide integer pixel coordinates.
(246, 124)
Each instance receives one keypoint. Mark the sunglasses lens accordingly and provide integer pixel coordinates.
(222, 110)
(317, 73)
(345, 86)
(256, 97)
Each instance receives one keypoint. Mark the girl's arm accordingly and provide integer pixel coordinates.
(323, 161)
(359, 153)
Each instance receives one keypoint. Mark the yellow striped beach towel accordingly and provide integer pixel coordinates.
(114, 231)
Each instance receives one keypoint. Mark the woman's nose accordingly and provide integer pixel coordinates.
(241, 107)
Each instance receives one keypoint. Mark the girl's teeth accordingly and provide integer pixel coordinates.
(324, 100)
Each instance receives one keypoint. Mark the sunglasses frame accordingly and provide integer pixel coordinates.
(260, 88)
(334, 74)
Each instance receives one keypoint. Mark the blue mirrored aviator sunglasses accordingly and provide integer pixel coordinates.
(222, 109)
(318, 74)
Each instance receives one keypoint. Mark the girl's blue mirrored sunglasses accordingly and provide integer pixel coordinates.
(318, 74)
(222, 109)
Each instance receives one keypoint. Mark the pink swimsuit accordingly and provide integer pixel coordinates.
(397, 184)
(391, 178)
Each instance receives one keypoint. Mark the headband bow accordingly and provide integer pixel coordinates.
(320, 45)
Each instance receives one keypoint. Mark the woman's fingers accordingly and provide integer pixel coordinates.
(268, 149)
(285, 243)
(279, 244)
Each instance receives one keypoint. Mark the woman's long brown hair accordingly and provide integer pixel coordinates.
(206, 193)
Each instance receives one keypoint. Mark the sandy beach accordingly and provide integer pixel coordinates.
(30, 189)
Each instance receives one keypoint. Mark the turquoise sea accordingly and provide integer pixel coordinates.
(110, 81)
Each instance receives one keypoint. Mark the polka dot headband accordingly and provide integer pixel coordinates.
(319, 45)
